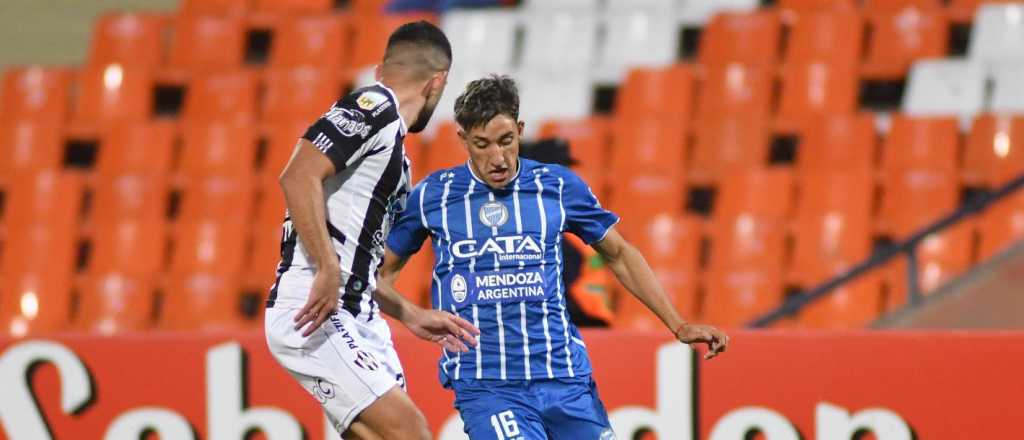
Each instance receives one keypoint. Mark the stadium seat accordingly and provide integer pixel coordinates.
(941, 257)
(736, 89)
(636, 38)
(929, 143)
(208, 42)
(998, 35)
(547, 96)
(699, 12)
(815, 88)
(136, 148)
(914, 199)
(734, 298)
(141, 197)
(49, 199)
(727, 144)
(36, 295)
(747, 242)
(995, 149)
(218, 149)
(1001, 226)
(114, 302)
(647, 197)
(36, 93)
(446, 150)
(214, 244)
(371, 36)
(1008, 94)
(206, 301)
(837, 142)
(560, 40)
(543, 6)
(649, 147)
(482, 37)
(873, 6)
(963, 11)
(833, 36)
(311, 40)
(294, 6)
(266, 237)
(765, 193)
(945, 87)
(588, 142)
(850, 306)
(900, 37)
(217, 198)
(414, 282)
(114, 93)
(133, 246)
(128, 39)
(369, 7)
(833, 223)
(415, 151)
(749, 38)
(661, 93)
(214, 7)
(804, 6)
(281, 140)
(29, 146)
(302, 93)
(222, 97)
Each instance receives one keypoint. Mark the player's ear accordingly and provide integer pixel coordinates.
(521, 125)
(378, 72)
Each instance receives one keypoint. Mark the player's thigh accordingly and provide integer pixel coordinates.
(575, 410)
(392, 416)
(495, 413)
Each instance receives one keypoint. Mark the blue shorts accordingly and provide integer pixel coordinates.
(556, 409)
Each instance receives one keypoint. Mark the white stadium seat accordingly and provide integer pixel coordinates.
(953, 87)
(548, 96)
(482, 38)
(560, 40)
(636, 38)
(998, 34)
(549, 5)
(666, 5)
(698, 12)
(1008, 94)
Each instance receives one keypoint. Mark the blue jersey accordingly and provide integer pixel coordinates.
(499, 265)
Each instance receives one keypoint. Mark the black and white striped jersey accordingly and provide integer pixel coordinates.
(362, 134)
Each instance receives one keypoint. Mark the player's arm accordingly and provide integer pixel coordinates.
(452, 332)
(632, 270)
(302, 184)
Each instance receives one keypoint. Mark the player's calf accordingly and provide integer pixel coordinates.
(392, 417)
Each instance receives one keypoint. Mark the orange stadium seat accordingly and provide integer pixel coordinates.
(833, 36)
(913, 199)
(734, 298)
(415, 279)
(729, 143)
(894, 5)
(116, 302)
(833, 224)
(747, 242)
(901, 37)
(371, 36)
(1001, 226)
(202, 301)
(215, 245)
(36, 296)
(313, 40)
(837, 142)
(588, 143)
(137, 148)
(751, 38)
(128, 39)
(671, 245)
(217, 198)
(302, 93)
(133, 246)
(917, 143)
(266, 236)
(941, 257)
(764, 193)
(368, 7)
(852, 305)
(222, 97)
(801, 6)
(664, 93)
(649, 147)
(816, 88)
(446, 150)
(29, 146)
(48, 198)
(218, 149)
(37, 93)
(415, 150)
(294, 6)
(646, 197)
(995, 149)
(281, 142)
(114, 93)
(208, 42)
(735, 88)
(142, 197)
(214, 7)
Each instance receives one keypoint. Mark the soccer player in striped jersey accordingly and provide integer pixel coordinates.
(496, 224)
(345, 183)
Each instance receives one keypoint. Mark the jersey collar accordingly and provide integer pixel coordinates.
(519, 170)
(391, 93)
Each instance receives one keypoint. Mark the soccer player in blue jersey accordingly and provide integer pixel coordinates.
(496, 224)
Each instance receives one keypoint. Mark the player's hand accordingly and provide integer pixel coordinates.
(323, 300)
(452, 332)
(695, 334)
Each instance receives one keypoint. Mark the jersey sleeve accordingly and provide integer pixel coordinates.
(348, 131)
(410, 230)
(584, 215)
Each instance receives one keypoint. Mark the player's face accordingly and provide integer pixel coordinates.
(494, 150)
(434, 90)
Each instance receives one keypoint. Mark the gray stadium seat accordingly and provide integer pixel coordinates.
(946, 87)
(560, 40)
(698, 12)
(636, 37)
(1008, 94)
(998, 34)
(484, 38)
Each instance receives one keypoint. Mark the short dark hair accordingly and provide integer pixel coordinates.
(486, 98)
(420, 35)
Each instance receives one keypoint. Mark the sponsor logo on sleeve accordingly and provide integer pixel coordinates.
(350, 123)
(370, 100)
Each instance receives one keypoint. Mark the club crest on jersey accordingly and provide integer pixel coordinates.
(370, 100)
(493, 214)
(366, 361)
(607, 434)
(459, 288)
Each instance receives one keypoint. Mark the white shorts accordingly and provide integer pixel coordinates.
(346, 364)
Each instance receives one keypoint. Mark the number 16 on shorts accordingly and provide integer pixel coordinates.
(505, 426)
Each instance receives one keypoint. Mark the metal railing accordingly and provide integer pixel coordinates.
(906, 247)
